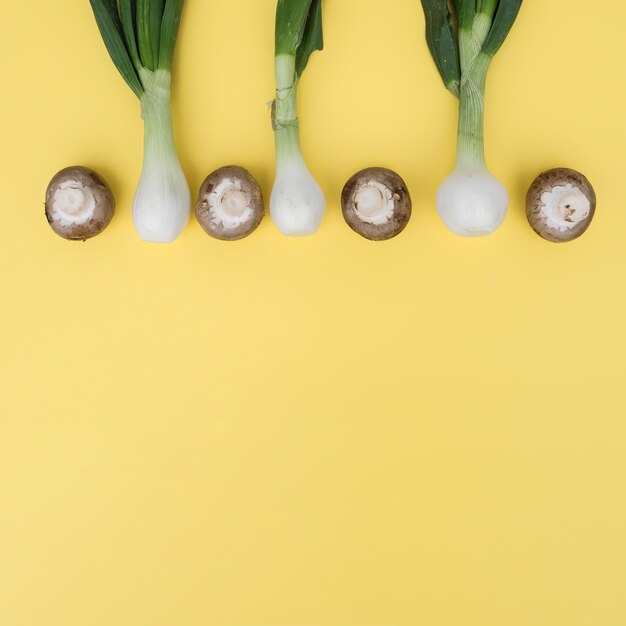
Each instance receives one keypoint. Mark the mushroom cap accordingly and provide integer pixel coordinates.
(390, 189)
(103, 204)
(245, 188)
(560, 204)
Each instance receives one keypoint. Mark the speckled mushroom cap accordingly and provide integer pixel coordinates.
(79, 203)
(384, 191)
(560, 205)
(230, 204)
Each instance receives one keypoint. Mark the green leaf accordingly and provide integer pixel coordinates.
(107, 18)
(313, 37)
(487, 7)
(291, 21)
(110, 7)
(128, 15)
(169, 32)
(156, 21)
(505, 17)
(465, 12)
(149, 18)
(442, 42)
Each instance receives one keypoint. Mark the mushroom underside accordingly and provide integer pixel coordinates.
(79, 203)
(230, 204)
(560, 205)
(376, 204)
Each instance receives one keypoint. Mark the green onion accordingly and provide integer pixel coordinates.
(297, 203)
(140, 36)
(471, 202)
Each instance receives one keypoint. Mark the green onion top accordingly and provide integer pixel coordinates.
(140, 36)
(299, 30)
(447, 21)
(442, 42)
(504, 18)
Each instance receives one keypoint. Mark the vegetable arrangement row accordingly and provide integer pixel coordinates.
(463, 36)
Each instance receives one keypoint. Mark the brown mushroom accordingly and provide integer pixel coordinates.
(560, 205)
(230, 204)
(376, 203)
(79, 203)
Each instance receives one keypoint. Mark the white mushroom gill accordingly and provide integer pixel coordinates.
(374, 203)
(73, 202)
(565, 207)
(230, 205)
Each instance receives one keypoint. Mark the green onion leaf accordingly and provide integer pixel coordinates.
(442, 42)
(505, 16)
(149, 18)
(487, 7)
(156, 20)
(108, 20)
(169, 32)
(312, 39)
(291, 19)
(128, 15)
(465, 12)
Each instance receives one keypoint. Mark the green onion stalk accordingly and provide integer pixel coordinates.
(471, 201)
(297, 204)
(140, 36)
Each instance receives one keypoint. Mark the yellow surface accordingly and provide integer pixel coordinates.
(321, 432)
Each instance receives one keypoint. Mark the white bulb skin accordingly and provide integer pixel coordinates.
(162, 202)
(472, 203)
(297, 203)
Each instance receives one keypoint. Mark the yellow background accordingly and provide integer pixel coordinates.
(429, 431)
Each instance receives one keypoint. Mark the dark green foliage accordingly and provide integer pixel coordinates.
(505, 16)
(149, 17)
(443, 38)
(128, 15)
(169, 32)
(313, 38)
(139, 35)
(110, 27)
(442, 42)
(299, 30)
(465, 12)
